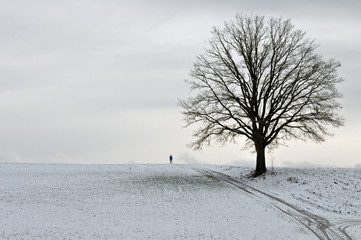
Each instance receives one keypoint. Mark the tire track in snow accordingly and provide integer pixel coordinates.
(319, 226)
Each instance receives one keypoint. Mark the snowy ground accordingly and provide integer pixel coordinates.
(173, 202)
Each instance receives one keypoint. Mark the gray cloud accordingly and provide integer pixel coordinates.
(10, 157)
(98, 81)
(188, 158)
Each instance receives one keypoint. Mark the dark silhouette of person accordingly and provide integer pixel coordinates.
(171, 159)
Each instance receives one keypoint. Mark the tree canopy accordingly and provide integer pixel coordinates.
(262, 79)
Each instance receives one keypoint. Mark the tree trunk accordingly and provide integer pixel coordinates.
(261, 159)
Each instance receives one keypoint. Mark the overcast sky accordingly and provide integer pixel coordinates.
(91, 81)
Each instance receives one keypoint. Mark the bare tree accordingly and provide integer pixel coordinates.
(261, 79)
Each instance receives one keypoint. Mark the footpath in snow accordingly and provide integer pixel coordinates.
(173, 202)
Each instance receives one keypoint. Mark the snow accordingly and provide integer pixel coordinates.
(335, 192)
(172, 202)
(331, 193)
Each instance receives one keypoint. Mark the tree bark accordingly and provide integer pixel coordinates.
(261, 159)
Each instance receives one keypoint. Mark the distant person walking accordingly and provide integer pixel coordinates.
(171, 159)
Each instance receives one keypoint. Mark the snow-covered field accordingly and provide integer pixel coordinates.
(177, 202)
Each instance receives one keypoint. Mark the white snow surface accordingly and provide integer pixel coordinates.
(171, 202)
